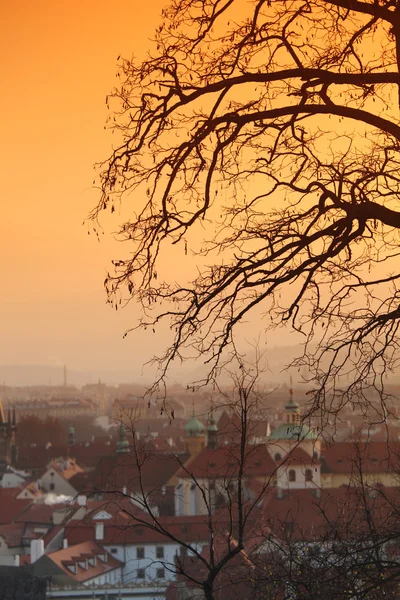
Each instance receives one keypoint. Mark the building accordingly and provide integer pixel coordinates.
(8, 430)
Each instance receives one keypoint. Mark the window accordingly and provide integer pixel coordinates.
(114, 550)
(160, 552)
(277, 457)
(141, 573)
(292, 475)
(161, 573)
(52, 486)
(308, 475)
(140, 552)
(99, 531)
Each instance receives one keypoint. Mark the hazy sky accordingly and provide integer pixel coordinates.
(58, 63)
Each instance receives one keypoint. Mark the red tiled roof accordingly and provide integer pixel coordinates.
(69, 556)
(374, 457)
(10, 508)
(298, 456)
(10, 492)
(82, 482)
(224, 462)
(86, 454)
(193, 529)
(338, 512)
(12, 534)
(37, 513)
(151, 471)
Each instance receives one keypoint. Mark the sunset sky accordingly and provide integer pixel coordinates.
(58, 63)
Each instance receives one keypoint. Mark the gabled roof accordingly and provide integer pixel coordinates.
(37, 513)
(79, 553)
(298, 456)
(10, 508)
(12, 534)
(152, 471)
(191, 529)
(372, 457)
(339, 513)
(224, 462)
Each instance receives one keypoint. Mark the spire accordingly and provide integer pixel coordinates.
(212, 431)
(291, 406)
(9, 417)
(14, 418)
(71, 436)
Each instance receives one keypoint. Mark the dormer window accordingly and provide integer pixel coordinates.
(72, 568)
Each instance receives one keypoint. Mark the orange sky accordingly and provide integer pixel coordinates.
(58, 63)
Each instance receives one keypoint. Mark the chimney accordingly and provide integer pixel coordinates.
(65, 543)
(37, 550)
(81, 500)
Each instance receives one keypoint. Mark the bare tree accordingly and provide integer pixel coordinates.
(274, 127)
(214, 540)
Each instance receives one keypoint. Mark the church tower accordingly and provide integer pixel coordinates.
(212, 432)
(195, 436)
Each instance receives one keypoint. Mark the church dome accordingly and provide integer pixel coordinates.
(194, 427)
(293, 431)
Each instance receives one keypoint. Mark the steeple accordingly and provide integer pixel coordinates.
(292, 408)
(212, 432)
(71, 436)
(122, 446)
(195, 435)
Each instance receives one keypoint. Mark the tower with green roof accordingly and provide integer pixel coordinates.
(195, 435)
(293, 432)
